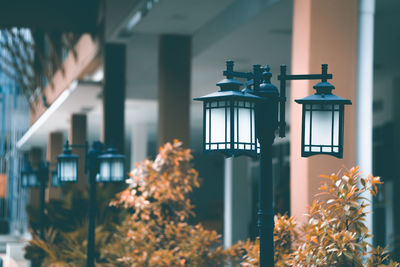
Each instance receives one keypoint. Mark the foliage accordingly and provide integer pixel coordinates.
(335, 234)
(154, 228)
(65, 239)
(157, 232)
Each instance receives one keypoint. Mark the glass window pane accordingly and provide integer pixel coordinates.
(321, 130)
(336, 128)
(327, 149)
(307, 127)
(244, 125)
(218, 125)
(207, 128)
(117, 170)
(228, 125)
(105, 171)
(315, 149)
(235, 122)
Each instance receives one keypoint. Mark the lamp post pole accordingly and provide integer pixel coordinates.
(102, 166)
(43, 176)
(266, 124)
(93, 170)
(322, 133)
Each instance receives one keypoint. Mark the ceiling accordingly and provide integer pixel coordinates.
(49, 15)
(220, 30)
(248, 32)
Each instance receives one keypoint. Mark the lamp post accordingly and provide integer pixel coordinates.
(243, 122)
(102, 166)
(38, 178)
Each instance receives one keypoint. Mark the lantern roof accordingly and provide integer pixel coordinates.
(111, 153)
(228, 95)
(229, 84)
(67, 153)
(323, 99)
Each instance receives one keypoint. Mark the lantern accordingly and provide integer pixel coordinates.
(322, 126)
(29, 177)
(67, 165)
(55, 180)
(229, 120)
(111, 167)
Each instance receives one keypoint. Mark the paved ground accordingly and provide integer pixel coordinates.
(12, 263)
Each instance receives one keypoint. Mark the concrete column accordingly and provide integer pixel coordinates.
(174, 68)
(114, 95)
(35, 157)
(365, 76)
(319, 37)
(138, 144)
(237, 200)
(54, 148)
(394, 213)
(78, 136)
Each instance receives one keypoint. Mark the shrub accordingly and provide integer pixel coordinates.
(155, 229)
(335, 233)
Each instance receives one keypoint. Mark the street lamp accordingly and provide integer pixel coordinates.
(232, 118)
(55, 180)
(229, 120)
(102, 166)
(67, 165)
(111, 167)
(28, 177)
(37, 178)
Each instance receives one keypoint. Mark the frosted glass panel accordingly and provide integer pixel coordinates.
(218, 125)
(235, 129)
(207, 128)
(105, 171)
(253, 127)
(307, 127)
(244, 125)
(32, 180)
(336, 128)
(228, 125)
(117, 170)
(321, 127)
(68, 170)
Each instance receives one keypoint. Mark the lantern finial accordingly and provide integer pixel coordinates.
(267, 74)
(324, 68)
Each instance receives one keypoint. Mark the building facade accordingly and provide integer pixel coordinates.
(129, 77)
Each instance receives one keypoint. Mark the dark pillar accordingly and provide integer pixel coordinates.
(77, 136)
(396, 181)
(54, 148)
(114, 95)
(35, 156)
(174, 68)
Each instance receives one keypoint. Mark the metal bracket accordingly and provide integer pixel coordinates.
(283, 77)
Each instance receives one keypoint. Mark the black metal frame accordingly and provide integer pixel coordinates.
(67, 154)
(91, 167)
(266, 123)
(42, 177)
(339, 146)
(231, 145)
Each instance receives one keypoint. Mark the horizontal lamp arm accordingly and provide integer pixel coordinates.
(283, 77)
(85, 146)
(237, 74)
(303, 77)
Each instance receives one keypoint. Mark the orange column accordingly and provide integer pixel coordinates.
(54, 148)
(324, 31)
(78, 136)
